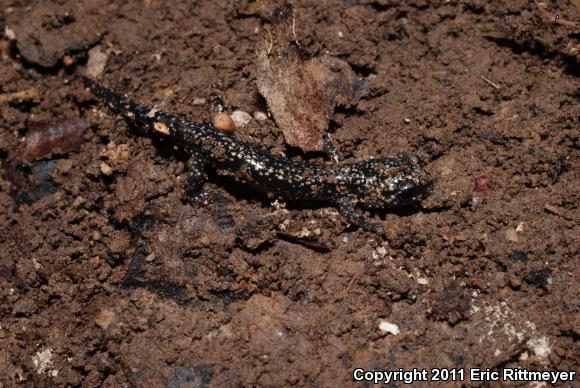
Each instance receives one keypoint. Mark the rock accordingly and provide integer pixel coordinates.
(223, 122)
(241, 118)
(389, 327)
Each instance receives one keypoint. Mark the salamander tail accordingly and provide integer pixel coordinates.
(118, 102)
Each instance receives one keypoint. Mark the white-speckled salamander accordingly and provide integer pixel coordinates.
(374, 183)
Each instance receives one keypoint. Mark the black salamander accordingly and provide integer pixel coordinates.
(374, 183)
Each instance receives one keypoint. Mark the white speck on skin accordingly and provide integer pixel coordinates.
(152, 113)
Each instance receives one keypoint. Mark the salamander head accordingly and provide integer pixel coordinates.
(386, 182)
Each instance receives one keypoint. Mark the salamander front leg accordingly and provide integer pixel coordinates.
(347, 209)
(195, 178)
(330, 148)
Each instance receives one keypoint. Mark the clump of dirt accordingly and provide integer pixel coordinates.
(109, 277)
(51, 30)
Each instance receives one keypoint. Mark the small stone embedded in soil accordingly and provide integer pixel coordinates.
(106, 169)
(389, 327)
(9, 33)
(44, 139)
(68, 60)
(96, 62)
(260, 116)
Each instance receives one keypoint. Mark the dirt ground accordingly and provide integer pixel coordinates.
(109, 277)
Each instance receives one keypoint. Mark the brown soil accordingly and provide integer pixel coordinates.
(109, 277)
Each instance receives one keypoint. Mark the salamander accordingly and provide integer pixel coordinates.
(385, 182)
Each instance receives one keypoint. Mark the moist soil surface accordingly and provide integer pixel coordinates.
(110, 277)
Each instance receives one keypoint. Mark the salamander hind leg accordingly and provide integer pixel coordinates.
(195, 178)
(347, 209)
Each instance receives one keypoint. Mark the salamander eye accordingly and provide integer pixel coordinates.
(406, 185)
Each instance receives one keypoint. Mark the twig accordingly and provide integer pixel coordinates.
(493, 84)
(271, 42)
(350, 284)
(23, 95)
(294, 29)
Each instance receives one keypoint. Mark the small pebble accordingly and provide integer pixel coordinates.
(241, 118)
(106, 169)
(223, 122)
(389, 327)
(96, 62)
(9, 33)
(68, 60)
(260, 116)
